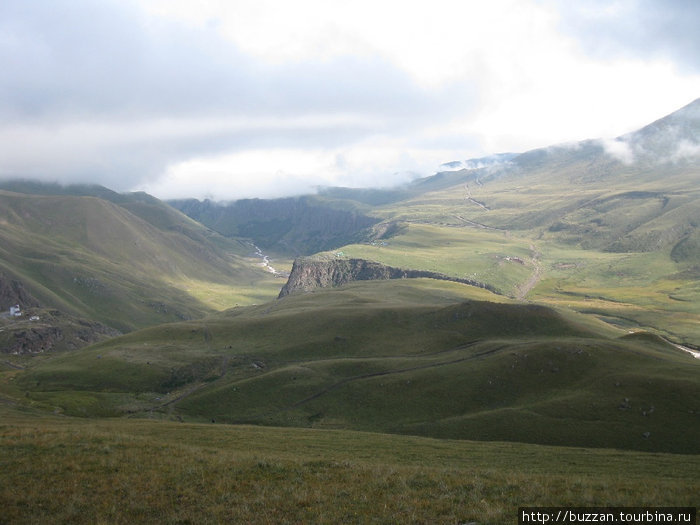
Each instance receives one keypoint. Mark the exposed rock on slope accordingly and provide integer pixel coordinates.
(308, 274)
(42, 330)
(12, 292)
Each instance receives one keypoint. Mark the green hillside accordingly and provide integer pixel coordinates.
(59, 469)
(604, 227)
(568, 226)
(392, 356)
(127, 264)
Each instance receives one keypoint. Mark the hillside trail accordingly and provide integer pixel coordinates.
(535, 278)
(192, 388)
(468, 197)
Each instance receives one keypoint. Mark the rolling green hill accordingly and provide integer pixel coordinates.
(591, 257)
(415, 357)
(605, 227)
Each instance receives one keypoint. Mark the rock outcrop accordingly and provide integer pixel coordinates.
(12, 291)
(308, 274)
(41, 330)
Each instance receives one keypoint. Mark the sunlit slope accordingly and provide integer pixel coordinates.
(642, 277)
(99, 260)
(392, 356)
(574, 225)
(606, 226)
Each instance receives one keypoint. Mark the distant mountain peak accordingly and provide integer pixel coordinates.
(672, 139)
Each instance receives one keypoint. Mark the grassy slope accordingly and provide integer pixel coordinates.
(400, 357)
(127, 266)
(127, 471)
(616, 241)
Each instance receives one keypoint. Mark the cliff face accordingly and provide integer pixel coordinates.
(309, 274)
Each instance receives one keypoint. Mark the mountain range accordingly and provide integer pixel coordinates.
(548, 297)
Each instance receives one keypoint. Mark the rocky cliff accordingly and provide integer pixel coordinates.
(40, 330)
(308, 274)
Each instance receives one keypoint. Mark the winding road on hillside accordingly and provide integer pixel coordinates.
(535, 278)
(13, 366)
(468, 197)
(191, 389)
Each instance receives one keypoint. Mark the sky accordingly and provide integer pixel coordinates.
(228, 99)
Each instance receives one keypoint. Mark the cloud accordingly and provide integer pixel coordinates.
(629, 152)
(686, 150)
(107, 59)
(671, 140)
(276, 172)
(647, 29)
(112, 94)
(166, 94)
(620, 149)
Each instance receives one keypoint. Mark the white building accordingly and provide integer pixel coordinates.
(15, 311)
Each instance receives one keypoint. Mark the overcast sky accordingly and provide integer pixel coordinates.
(264, 98)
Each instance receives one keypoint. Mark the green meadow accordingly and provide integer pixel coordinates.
(67, 470)
(619, 243)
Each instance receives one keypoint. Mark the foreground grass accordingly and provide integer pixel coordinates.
(63, 470)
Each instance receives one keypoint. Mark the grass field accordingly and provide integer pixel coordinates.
(415, 357)
(65, 470)
(389, 402)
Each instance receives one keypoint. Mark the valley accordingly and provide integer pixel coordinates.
(525, 330)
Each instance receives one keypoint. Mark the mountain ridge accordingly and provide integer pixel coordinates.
(125, 265)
